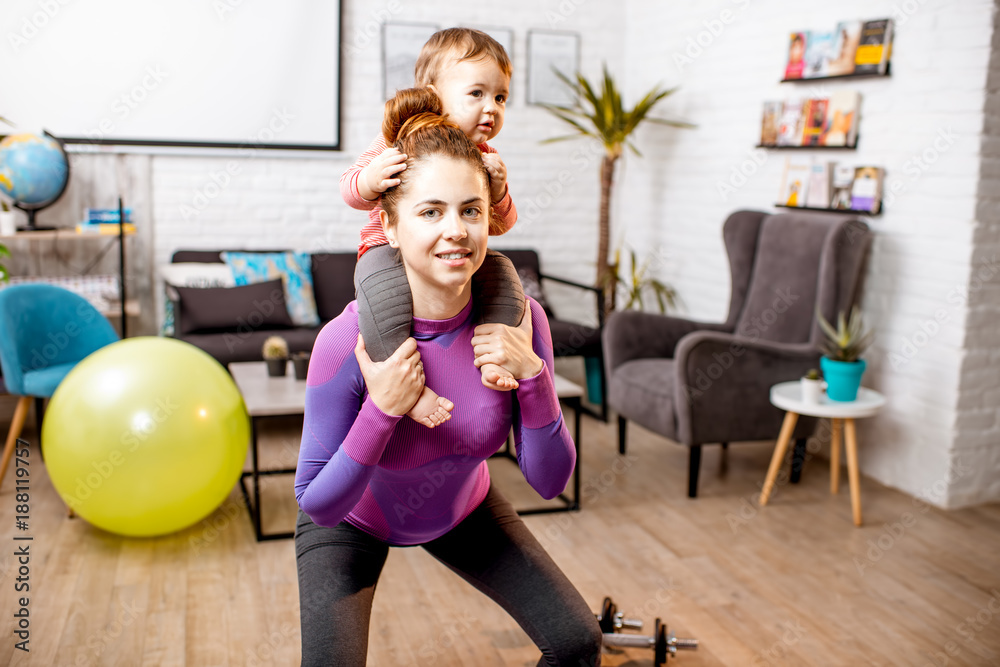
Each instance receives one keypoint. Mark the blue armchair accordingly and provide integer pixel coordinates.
(44, 332)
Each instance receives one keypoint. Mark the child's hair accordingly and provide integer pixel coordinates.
(460, 43)
(416, 124)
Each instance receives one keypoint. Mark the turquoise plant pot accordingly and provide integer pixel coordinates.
(843, 378)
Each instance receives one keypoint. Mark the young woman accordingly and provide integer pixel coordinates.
(368, 479)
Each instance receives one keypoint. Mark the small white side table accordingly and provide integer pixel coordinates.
(788, 397)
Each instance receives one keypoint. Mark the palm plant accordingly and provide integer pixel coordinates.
(597, 112)
(846, 342)
(634, 286)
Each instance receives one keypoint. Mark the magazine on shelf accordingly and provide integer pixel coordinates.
(843, 179)
(845, 45)
(770, 123)
(820, 180)
(795, 181)
(814, 121)
(866, 191)
(795, 67)
(818, 50)
(841, 126)
(790, 126)
(875, 47)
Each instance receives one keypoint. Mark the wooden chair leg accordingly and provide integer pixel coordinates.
(694, 465)
(835, 455)
(725, 446)
(622, 423)
(787, 427)
(851, 442)
(798, 460)
(16, 424)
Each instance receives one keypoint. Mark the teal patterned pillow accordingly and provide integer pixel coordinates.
(295, 270)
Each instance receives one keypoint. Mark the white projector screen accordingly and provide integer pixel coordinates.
(195, 73)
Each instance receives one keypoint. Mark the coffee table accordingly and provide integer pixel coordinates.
(267, 397)
(788, 397)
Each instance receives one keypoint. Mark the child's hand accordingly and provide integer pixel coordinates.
(508, 347)
(396, 383)
(498, 176)
(380, 174)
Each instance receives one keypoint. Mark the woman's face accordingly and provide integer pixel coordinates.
(442, 225)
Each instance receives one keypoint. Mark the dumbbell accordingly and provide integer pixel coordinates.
(663, 642)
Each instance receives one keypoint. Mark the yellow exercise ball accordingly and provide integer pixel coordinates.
(145, 436)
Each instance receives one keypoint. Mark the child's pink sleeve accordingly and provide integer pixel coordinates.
(504, 208)
(349, 179)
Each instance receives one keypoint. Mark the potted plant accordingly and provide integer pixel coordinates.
(633, 287)
(300, 362)
(842, 349)
(275, 353)
(597, 112)
(8, 223)
(812, 386)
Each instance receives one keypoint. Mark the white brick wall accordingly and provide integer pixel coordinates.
(921, 261)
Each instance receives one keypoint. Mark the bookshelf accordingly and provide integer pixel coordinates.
(130, 307)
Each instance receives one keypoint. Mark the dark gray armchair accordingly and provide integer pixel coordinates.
(701, 383)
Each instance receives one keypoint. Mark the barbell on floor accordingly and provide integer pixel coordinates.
(663, 642)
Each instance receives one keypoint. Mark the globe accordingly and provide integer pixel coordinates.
(33, 171)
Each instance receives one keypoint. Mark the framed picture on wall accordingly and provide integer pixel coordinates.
(401, 44)
(551, 51)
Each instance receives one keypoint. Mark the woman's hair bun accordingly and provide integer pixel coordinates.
(410, 110)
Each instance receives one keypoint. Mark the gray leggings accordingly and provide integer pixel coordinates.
(491, 549)
(385, 305)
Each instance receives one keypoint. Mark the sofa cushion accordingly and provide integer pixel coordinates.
(246, 345)
(295, 268)
(643, 392)
(333, 282)
(190, 274)
(252, 307)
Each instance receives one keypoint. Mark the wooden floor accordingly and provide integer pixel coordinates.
(794, 583)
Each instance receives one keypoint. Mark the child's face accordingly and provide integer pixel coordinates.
(474, 95)
(442, 225)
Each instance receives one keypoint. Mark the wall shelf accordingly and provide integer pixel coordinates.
(852, 147)
(833, 210)
(873, 75)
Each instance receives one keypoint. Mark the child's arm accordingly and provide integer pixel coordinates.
(373, 173)
(503, 205)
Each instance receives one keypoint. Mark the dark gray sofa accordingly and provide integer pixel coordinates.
(242, 338)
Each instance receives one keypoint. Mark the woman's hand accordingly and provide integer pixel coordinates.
(394, 384)
(381, 173)
(509, 347)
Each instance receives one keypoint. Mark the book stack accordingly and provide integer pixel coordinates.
(831, 121)
(104, 221)
(808, 183)
(853, 47)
